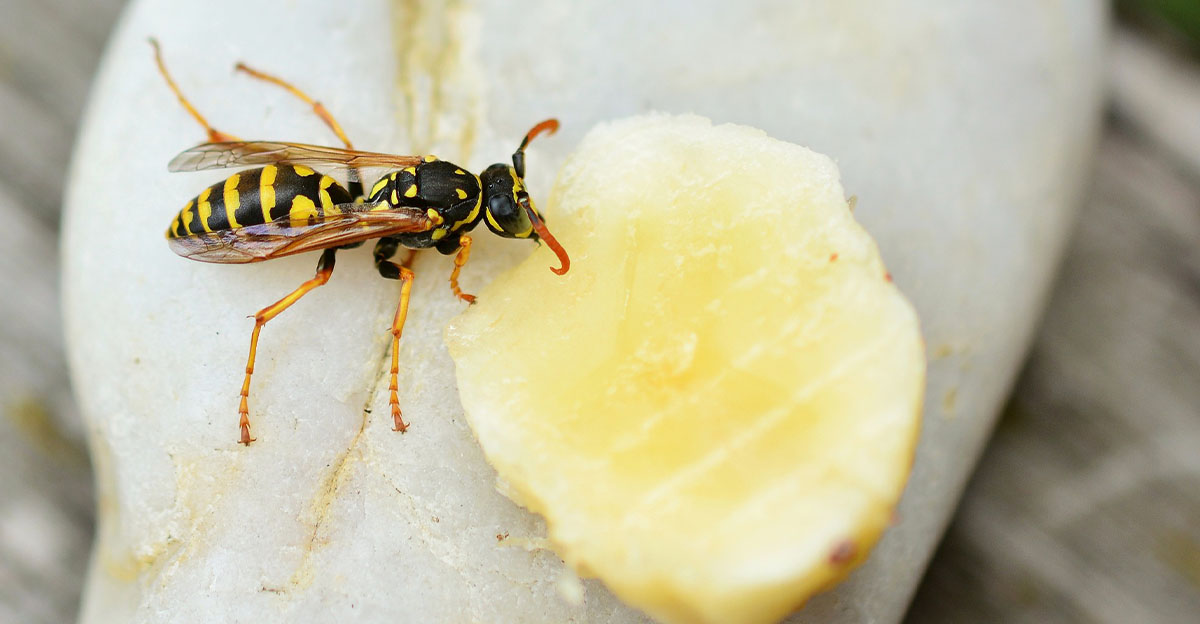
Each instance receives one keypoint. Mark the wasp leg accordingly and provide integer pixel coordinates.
(214, 135)
(324, 270)
(460, 259)
(355, 185)
(385, 249)
(317, 107)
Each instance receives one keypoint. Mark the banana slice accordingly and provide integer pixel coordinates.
(716, 409)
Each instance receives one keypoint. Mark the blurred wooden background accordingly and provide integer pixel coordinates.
(1086, 504)
(48, 52)
(1085, 508)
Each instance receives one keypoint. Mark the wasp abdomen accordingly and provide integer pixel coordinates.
(272, 193)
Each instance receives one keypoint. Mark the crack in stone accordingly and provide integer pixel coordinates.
(326, 494)
(428, 49)
(323, 502)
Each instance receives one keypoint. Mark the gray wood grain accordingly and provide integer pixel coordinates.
(1086, 506)
(48, 53)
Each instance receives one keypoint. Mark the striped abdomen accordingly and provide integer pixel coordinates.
(273, 193)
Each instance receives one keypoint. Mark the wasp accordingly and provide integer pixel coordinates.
(280, 205)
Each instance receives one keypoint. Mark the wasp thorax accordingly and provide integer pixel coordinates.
(503, 198)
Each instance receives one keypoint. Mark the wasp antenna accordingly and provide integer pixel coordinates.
(550, 126)
(544, 234)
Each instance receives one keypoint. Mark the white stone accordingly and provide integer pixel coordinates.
(964, 130)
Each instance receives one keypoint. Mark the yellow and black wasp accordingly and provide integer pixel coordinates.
(285, 207)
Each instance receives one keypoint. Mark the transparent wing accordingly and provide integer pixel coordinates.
(250, 153)
(255, 243)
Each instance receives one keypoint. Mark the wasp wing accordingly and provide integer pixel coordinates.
(250, 153)
(255, 243)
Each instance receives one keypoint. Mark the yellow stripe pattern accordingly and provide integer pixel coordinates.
(474, 213)
(185, 216)
(492, 220)
(231, 199)
(266, 191)
(379, 186)
(327, 204)
(204, 210)
(303, 209)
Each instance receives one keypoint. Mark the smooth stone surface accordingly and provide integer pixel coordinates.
(966, 152)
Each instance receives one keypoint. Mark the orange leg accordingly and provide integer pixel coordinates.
(214, 135)
(460, 259)
(317, 107)
(355, 181)
(384, 249)
(406, 278)
(324, 270)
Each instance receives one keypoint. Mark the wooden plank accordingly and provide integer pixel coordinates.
(1158, 91)
(1085, 506)
(48, 52)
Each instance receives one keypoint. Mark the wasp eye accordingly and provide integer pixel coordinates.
(506, 218)
(503, 208)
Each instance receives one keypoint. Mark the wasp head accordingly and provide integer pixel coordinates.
(508, 209)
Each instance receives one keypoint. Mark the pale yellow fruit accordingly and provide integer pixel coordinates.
(716, 408)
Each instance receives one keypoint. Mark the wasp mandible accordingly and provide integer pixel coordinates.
(284, 207)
